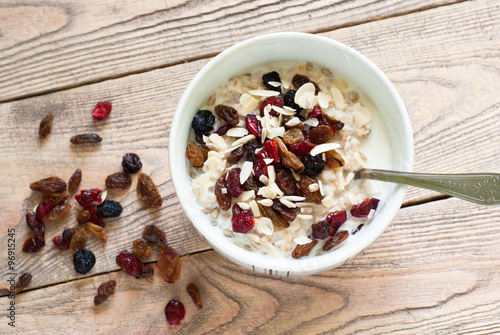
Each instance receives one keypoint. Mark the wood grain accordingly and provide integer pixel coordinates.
(444, 279)
(52, 45)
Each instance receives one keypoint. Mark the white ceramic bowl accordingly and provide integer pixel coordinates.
(328, 53)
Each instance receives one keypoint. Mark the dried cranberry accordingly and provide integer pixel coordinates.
(253, 125)
(60, 243)
(89, 198)
(233, 183)
(95, 218)
(315, 112)
(335, 220)
(260, 166)
(43, 208)
(363, 209)
(36, 226)
(222, 130)
(33, 244)
(101, 110)
(243, 221)
(129, 263)
(174, 311)
(273, 101)
(272, 151)
(303, 147)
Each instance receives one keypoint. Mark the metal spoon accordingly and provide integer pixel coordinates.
(480, 188)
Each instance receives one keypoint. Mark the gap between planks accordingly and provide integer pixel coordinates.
(213, 54)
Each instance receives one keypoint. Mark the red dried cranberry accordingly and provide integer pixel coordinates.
(36, 226)
(315, 112)
(233, 183)
(60, 243)
(243, 221)
(43, 208)
(95, 218)
(335, 220)
(222, 130)
(273, 101)
(303, 147)
(33, 244)
(253, 125)
(260, 166)
(363, 209)
(174, 311)
(272, 151)
(89, 198)
(101, 110)
(129, 263)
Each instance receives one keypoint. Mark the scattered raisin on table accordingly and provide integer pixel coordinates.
(78, 240)
(142, 249)
(335, 240)
(118, 180)
(314, 165)
(302, 250)
(147, 191)
(131, 163)
(89, 198)
(23, 281)
(169, 264)
(228, 114)
(49, 185)
(98, 231)
(75, 181)
(43, 208)
(195, 294)
(196, 155)
(153, 234)
(203, 121)
(272, 77)
(86, 138)
(59, 212)
(175, 312)
(83, 261)
(60, 198)
(67, 234)
(109, 209)
(147, 271)
(104, 291)
(101, 110)
(130, 264)
(46, 125)
(83, 217)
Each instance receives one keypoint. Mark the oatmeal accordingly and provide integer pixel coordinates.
(273, 154)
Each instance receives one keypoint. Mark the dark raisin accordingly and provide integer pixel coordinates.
(86, 138)
(101, 110)
(336, 124)
(98, 231)
(286, 212)
(89, 198)
(250, 147)
(129, 263)
(142, 249)
(222, 130)
(273, 101)
(83, 217)
(289, 101)
(203, 121)
(37, 226)
(236, 155)
(252, 183)
(223, 198)
(67, 234)
(302, 250)
(194, 293)
(320, 134)
(335, 220)
(169, 264)
(314, 165)
(131, 163)
(104, 291)
(78, 240)
(109, 209)
(58, 212)
(196, 155)
(118, 180)
(363, 209)
(153, 234)
(335, 240)
(75, 181)
(299, 80)
(23, 281)
(279, 221)
(147, 191)
(242, 221)
(233, 185)
(83, 261)
(43, 208)
(46, 125)
(321, 230)
(253, 125)
(304, 183)
(358, 228)
(49, 185)
(228, 114)
(147, 271)
(175, 312)
(272, 76)
(286, 182)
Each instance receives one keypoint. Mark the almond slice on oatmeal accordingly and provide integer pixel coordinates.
(324, 148)
(237, 132)
(246, 170)
(264, 93)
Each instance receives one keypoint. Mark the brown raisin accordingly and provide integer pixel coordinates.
(67, 234)
(46, 125)
(147, 191)
(278, 221)
(289, 159)
(335, 240)
(252, 183)
(228, 114)
(169, 264)
(75, 181)
(236, 155)
(286, 213)
(223, 199)
(195, 294)
(320, 134)
(98, 231)
(85, 138)
(59, 212)
(292, 136)
(78, 240)
(321, 230)
(304, 183)
(196, 154)
(302, 250)
(131, 163)
(286, 182)
(83, 217)
(250, 147)
(333, 122)
(142, 249)
(334, 159)
(118, 180)
(299, 80)
(104, 291)
(60, 199)
(49, 185)
(23, 281)
(153, 234)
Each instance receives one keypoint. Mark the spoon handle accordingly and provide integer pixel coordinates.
(480, 188)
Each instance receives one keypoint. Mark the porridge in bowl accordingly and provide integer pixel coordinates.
(272, 158)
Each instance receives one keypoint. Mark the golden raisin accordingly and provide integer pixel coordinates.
(334, 159)
(336, 239)
(98, 231)
(59, 212)
(83, 217)
(304, 183)
(119, 180)
(302, 250)
(147, 191)
(288, 159)
(223, 199)
(78, 240)
(320, 134)
(278, 221)
(49, 185)
(196, 154)
(195, 294)
(142, 249)
(169, 264)
(292, 136)
(75, 181)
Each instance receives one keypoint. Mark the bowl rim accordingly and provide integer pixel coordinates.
(305, 266)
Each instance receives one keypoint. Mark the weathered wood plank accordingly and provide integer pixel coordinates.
(45, 46)
(428, 273)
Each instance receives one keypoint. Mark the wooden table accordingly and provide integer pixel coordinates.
(436, 270)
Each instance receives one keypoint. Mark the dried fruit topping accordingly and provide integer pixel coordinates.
(142, 249)
(118, 180)
(78, 240)
(303, 147)
(174, 311)
(147, 271)
(196, 155)
(334, 159)
(23, 281)
(83, 261)
(302, 250)
(363, 209)
(49, 185)
(233, 185)
(285, 212)
(335, 240)
(58, 212)
(273, 101)
(43, 208)
(252, 184)
(86, 138)
(129, 263)
(253, 125)
(260, 166)
(289, 101)
(222, 130)
(314, 165)
(60, 243)
(109, 209)
(358, 228)
(292, 136)
(75, 181)
(83, 217)
(46, 125)
(286, 182)
(321, 230)
(299, 80)
(89, 198)
(315, 112)
(33, 244)
(169, 264)
(195, 294)
(272, 151)
(304, 183)
(288, 159)
(250, 148)
(236, 155)
(67, 234)
(147, 191)
(153, 234)
(104, 291)
(98, 231)
(60, 198)
(335, 220)
(222, 194)
(320, 134)
(36, 226)
(203, 121)
(336, 124)
(101, 110)
(95, 218)
(242, 221)
(131, 163)
(278, 221)
(228, 114)
(270, 78)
